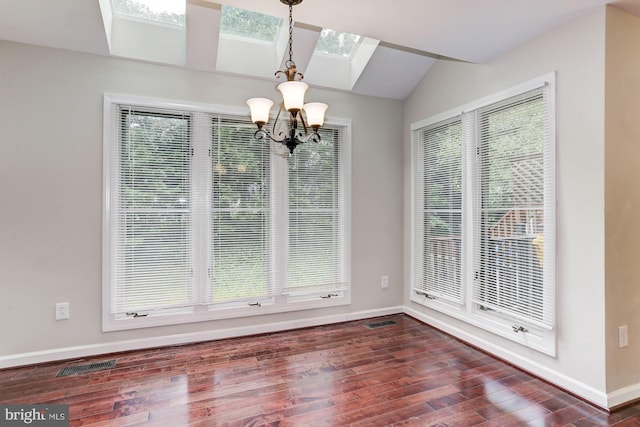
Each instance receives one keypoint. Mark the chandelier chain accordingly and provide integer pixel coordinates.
(290, 33)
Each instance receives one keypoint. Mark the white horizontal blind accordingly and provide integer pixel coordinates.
(240, 243)
(514, 252)
(151, 215)
(316, 217)
(437, 159)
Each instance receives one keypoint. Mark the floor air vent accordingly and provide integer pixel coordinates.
(81, 369)
(381, 324)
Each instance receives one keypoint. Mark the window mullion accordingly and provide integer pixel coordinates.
(279, 220)
(470, 205)
(201, 201)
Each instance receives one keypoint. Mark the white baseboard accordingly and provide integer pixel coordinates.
(561, 380)
(138, 344)
(624, 395)
(598, 398)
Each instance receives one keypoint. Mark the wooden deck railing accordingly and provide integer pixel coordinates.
(515, 254)
(518, 221)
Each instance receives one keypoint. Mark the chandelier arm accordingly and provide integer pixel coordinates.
(263, 134)
(275, 122)
(315, 137)
(304, 124)
(312, 137)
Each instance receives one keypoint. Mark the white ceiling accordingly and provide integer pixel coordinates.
(413, 33)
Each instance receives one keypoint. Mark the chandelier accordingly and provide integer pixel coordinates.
(293, 91)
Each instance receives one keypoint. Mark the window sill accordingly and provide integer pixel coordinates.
(536, 338)
(208, 313)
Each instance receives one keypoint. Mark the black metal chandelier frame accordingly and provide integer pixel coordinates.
(294, 136)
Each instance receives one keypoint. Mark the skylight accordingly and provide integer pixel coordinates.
(248, 24)
(165, 11)
(337, 44)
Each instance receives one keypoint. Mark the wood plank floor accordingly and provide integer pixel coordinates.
(405, 374)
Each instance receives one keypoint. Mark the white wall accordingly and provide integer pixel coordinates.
(148, 41)
(576, 52)
(51, 195)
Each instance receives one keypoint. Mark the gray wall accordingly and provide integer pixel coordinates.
(576, 52)
(51, 191)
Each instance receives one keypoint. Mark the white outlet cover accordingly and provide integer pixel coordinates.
(384, 281)
(623, 336)
(62, 310)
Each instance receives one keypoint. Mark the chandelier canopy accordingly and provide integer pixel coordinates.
(293, 91)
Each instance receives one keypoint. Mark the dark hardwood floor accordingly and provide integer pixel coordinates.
(405, 374)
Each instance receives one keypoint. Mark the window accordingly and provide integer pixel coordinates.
(439, 220)
(249, 24)
(152, 247)
(202, 221)
(315, 220)
(338, 44)
(164, 11)
(240, 218)
(509, 251)
(484, 214)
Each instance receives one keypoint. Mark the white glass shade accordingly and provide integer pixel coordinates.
(293, 94)
(260, 108)
(315, 113)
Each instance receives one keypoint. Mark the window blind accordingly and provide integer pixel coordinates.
(240, 244)
(437, 158)
(514, 252)
(151, 213)
(203, 220)
(316, 221)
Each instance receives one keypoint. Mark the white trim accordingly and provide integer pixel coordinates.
(545, 79)
(109, 111)
(192, 107)
(446, 115)
(623, 395)
(111, 99)
(63, 353)
(553, 376)
(203, 313)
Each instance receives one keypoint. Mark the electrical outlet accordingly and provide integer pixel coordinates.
(62, 310)
(623, 336)
(384, 282)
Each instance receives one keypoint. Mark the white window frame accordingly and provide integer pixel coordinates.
(542, 339)
(203, 312)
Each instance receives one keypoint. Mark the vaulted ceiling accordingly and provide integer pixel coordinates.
(405, 36)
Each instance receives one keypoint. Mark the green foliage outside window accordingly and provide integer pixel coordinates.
(443, 180)
(512, 136)
(156, 199)
(140, 10)
(155, 202)
(313, 212)
(245, 23)
(240, 183)
(335, 43)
